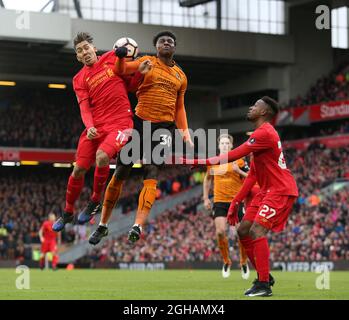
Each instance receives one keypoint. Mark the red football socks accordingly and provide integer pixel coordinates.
(100, 178)
(55, 261)
(74, 188)
(247, 243)
(261, 253)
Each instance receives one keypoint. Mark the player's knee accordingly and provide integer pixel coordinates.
(151, 172)
(252, 233)
(220, 233)
(78, 172)
(256, 232)
(243, 231)
(102, 159)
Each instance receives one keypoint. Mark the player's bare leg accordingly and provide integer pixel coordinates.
(145, 202)
(74, 187)
(222, 240)
(100, 178)
(111, 197)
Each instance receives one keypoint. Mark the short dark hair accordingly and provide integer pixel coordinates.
(272, 104)
(164, 33)
(82, 36)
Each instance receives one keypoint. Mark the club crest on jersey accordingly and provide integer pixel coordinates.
(110, 72)
(178, 76)
(252, 141)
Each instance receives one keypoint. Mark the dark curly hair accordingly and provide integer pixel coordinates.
(164, 33)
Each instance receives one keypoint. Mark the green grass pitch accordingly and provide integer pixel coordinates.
(164, 285)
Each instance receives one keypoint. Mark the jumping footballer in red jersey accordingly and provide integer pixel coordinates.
(271, 207)
(107, 116)
(48, 239)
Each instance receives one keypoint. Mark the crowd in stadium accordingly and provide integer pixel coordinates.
(33, 118)
(24, 114)
(27, 197)
(332, 87)
(185, 234)
(316, 230)
(179, 234)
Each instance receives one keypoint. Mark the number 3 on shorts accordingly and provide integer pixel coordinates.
(265, 210)
(166, 140)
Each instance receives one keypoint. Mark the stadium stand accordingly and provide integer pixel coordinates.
(332, 87)
(28, 195)
(316, 230)
(39, 119)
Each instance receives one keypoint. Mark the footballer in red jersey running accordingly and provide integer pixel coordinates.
(107, 116)
(48, 239)
(271, 207)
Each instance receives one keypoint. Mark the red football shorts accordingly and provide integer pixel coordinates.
(252, 206)
(110, 141)
(48, 246)
(270, 211)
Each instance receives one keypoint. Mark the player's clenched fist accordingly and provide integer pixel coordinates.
(232, 216)
(92, 133)
(121, 52)
(145, 66)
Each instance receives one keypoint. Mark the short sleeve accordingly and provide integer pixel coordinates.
(183, 87)
(259, 140)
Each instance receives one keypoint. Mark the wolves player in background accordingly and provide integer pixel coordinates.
(227, 181)
(160, 103)
(271, 207)
(107, 116)
(48, 239)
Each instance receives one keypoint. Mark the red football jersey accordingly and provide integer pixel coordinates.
(269, 162)
(105, 91)
(47, 232)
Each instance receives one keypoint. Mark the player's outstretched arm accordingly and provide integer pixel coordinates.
(232, 155)
(123, 67)
(257, 142)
